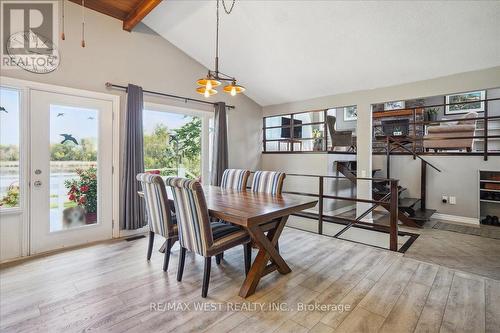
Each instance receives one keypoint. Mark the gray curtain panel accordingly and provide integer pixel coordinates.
(133, 216)
(219, 158)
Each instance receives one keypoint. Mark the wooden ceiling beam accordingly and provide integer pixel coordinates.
(139, 12)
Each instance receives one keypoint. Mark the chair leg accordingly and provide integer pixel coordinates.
(166, 258)
(219, 257)
(206, 277)
(278, 247)
(182, 258)
(150, 245)
(247, 252)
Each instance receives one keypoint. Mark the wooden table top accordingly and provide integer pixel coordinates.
(247, 208)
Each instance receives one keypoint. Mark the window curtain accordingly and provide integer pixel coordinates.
(133, 216)
(219, 149)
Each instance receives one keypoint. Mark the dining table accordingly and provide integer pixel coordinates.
(264, 216)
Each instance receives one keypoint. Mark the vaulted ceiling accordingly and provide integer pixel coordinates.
(285, 51)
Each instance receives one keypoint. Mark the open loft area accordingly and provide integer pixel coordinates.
(249, 166)
(466, 123)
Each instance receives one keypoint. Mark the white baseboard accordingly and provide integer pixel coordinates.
(455, 218)
(129, 233)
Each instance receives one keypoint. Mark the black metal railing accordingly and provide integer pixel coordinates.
(416, 146)
(389, 202)
(415, 124)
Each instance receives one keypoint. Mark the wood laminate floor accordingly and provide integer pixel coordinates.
(111, 287)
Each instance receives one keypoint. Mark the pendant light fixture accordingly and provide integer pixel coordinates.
(215, 78)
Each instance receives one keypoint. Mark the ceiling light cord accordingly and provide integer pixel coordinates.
(83, 23)
(217, 40)
(63, 36)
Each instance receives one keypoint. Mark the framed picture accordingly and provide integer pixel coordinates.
(350, 113)
(394, 105)
(473, 103)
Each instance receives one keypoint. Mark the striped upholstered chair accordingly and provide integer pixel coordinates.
(268, 181)
(235, 179)
(161, 221)
(196, 233)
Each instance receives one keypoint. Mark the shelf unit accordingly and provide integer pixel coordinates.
(489, 193)
(493, 129)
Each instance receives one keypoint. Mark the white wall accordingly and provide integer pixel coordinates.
(146, 59)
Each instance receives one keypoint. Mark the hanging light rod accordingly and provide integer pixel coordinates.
(214, 78)
(185, 99)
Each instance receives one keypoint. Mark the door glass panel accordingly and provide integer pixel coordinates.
(9, 148)
(172, 144)
(73, 167)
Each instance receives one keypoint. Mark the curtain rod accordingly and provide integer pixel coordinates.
(186, 99)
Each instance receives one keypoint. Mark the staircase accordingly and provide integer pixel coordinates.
(411, 211)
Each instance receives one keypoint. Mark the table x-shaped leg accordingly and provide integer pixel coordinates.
(267, 251)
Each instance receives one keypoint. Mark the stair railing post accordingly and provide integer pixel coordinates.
(414, 147)
(320, 206)
(423, 184)
(388, 157)
(393, 242)
(485, 123)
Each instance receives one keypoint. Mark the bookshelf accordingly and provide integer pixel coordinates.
(489, 195)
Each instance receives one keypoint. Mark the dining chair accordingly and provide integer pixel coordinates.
(268, 182)
(196, 233)
(161, 221)
(234, 179)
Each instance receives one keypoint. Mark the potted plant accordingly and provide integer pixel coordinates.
(11, 198)
(83, 192)
(318, 140)
(431, 114)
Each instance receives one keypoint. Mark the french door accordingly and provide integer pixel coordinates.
(70, 170)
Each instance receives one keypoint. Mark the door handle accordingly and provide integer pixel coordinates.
(37, 183)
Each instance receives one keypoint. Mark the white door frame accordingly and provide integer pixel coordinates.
(25, 87)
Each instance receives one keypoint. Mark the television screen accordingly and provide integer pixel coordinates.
(397, 127)
(297, 130)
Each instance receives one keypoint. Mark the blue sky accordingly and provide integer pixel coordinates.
(9, 122)
(171, 120)
(75, 121)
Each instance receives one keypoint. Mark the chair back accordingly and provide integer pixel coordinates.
(330, 121)
(157, 206)
(268, 182)
(235, 179)
(195, 233)
(468, 119)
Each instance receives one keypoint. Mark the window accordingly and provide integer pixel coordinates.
(303, 131)
(174, 142)
(345, 122)
(9, 148)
